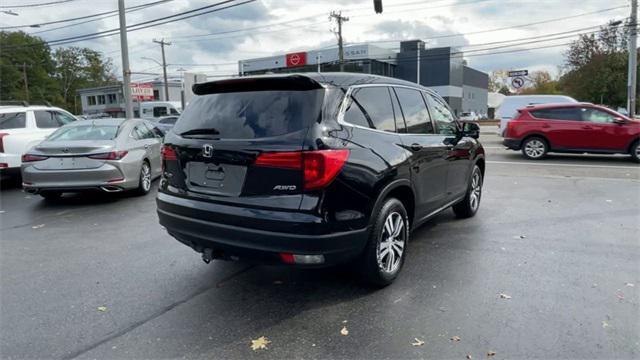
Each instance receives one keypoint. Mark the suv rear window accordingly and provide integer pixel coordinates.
(252, 114)
(15, 120)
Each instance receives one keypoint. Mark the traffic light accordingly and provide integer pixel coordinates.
(377, 6)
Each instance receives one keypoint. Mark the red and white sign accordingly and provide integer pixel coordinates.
(141, 91)
(296, 59)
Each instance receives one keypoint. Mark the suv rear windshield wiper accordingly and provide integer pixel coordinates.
(205, 131)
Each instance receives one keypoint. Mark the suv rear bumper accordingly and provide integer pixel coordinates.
(513, 144)
(250, 244)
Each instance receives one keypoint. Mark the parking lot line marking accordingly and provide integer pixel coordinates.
(561, 164)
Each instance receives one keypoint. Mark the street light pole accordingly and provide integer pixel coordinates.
(633, 60)
(164, 67)
(126, 72)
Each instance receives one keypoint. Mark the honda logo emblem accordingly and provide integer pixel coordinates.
(207, 150)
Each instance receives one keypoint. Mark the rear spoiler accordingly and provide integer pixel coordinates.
(267, 83)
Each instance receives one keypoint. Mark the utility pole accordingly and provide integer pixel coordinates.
(318, 56)
(164, 67)
(418, 65)
(339, 19)
(126, 71)
(26, 81)
(633, 60)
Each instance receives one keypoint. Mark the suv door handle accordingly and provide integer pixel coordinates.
(416, 147)
(587, 127)
(546, 126)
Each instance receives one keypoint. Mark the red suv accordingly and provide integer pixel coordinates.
(572, 128)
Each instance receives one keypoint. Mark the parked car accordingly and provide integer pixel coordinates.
(572, 128)
(510, 105)
(469, 116)
(22, 126)
(315, 169)
(153, 110)
(109, 155)
(166, 123)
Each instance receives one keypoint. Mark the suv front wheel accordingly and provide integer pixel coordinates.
(387, 247)
(535, 148)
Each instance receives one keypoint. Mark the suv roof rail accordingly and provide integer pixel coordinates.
(14, 102)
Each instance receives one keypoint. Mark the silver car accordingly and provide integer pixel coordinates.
(110, 155)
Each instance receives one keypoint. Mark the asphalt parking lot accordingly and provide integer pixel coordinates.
(97, 277)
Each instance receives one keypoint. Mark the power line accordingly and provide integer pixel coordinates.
(35, 5)
(142, 25)
(114, 12)
(129, 10)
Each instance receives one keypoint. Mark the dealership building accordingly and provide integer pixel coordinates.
(441, 69)
(109, 99)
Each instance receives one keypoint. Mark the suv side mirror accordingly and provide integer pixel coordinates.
(470, 129)
(619, 121)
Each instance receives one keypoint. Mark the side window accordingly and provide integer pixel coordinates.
(45, 119)
(596, 116)
(159, 111)
(445, 121)
(558, 114)
(148, 132)
(415, 112)
(62, 118)
(13, 120)
(371, 107)
(137, 133)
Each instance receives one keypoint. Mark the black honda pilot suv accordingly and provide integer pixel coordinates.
(315, 169)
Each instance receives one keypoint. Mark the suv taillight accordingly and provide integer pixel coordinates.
(2, 142)
(168, 153)
(319, 167)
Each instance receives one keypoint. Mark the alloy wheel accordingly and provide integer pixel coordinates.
(534, 148)
(146, 177)
(476, 190)
(638, 150)
(392, 243)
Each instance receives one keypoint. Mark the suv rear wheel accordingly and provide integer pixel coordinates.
(635, 151)
(534, 148)
(471, 202)
(386, 250)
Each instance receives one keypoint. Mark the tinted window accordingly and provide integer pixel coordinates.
(159, 111)
(147, 130)
(252, 114)
(596, 116)
(62, 118)
(374, 103)
(445, 121)
(415, 111)
(45, 120)
(174, 111)
(13, 120)
(558, 114)
(87, 132)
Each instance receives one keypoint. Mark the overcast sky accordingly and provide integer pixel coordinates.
(308, 27)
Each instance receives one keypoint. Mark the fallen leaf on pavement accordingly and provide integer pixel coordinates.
(505, 296)
(344, 331)
(344, 321)
(417, 342)
(455, 338)
(491, 353)
(469, 356)
(37, 226)
(102, 308)
(609, 200)
(1, 211)
(629, 284)
(259, 343)
(605, 324)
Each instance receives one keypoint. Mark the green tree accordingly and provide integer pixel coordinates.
(541, 83)
(597, 66)
(22, 55)
(77, 68)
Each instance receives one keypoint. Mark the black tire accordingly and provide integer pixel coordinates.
(634, 151)
(370, 268)
(51, 195)
(144, 183)
(535, 148)
(469, 206)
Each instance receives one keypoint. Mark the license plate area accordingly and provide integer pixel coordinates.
(66, 163)
(219, 179)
